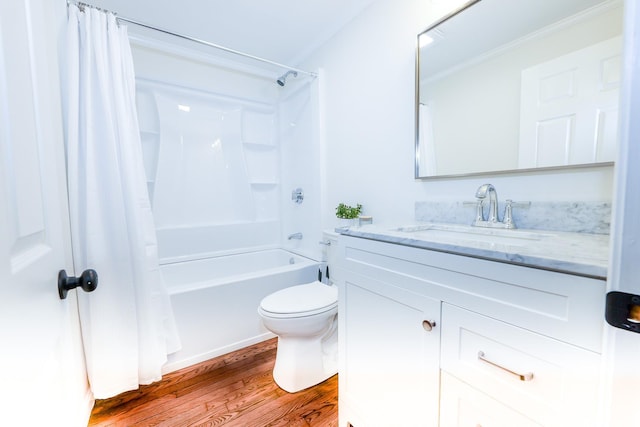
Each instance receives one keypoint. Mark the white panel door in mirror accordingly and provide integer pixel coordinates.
(569, 108)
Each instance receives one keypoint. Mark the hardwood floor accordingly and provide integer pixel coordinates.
(236, 389)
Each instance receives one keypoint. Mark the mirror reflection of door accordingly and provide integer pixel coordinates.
(476, 73)
(569, 108)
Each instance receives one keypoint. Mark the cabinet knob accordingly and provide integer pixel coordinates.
(428, 325)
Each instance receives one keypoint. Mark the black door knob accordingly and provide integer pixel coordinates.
(88, 281)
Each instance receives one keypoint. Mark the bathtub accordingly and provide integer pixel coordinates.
(215, 300)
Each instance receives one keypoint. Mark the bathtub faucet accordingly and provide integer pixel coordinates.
(297, 236)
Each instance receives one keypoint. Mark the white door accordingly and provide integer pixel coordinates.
(569, 108)
(42, 374)
(622, 349)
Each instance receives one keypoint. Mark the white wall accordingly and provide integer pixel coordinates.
(368, 128)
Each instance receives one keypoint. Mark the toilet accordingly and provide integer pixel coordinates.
(305, 319)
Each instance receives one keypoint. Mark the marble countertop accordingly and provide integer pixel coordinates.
(581, 254)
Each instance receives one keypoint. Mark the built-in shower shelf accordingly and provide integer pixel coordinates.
(264, 183)
(259, 146)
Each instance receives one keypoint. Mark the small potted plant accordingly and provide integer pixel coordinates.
(348, 213)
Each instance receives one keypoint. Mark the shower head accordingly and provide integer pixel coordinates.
(283, 79)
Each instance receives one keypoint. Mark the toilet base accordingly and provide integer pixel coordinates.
(302, 363)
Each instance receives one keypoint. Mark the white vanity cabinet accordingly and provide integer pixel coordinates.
(390, 347)
(511, 345)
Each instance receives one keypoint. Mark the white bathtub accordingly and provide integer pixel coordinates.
(215, 300)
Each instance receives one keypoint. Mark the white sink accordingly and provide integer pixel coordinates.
(457, 232)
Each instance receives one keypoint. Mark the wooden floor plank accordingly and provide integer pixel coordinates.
(287, 406)
(236, 389)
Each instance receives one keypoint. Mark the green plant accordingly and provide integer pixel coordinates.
(348, 212)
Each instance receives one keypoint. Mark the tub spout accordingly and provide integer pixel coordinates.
(297, 236)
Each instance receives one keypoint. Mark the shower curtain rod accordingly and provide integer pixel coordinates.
(196, 40)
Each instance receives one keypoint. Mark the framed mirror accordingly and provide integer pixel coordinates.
(518, 85)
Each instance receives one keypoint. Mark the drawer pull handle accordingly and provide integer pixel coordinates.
(428, 325)
(522, 377)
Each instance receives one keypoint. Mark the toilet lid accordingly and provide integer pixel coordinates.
(301, 299)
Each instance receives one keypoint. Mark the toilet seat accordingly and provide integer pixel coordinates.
(301, 300)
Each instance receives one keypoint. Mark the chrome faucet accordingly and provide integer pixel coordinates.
(296, 236)
(481, 195)
(493, 219)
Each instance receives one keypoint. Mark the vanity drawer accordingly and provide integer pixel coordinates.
(463, 406)
(549, 381)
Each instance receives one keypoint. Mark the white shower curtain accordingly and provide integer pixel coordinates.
(427, 153)
(127, 323)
